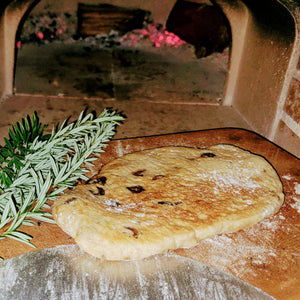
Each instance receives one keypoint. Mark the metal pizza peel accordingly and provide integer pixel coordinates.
(66, 272)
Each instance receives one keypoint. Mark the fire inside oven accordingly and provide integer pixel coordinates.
(111, 52)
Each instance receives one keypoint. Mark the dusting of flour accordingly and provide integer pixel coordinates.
(245, 257)
(296, 198)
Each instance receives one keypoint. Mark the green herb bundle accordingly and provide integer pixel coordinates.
(35, 167)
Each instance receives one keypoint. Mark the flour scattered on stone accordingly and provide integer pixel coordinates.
(119, 149)
(297, 188)
(296, 198)
(287, 177)
(246, 258)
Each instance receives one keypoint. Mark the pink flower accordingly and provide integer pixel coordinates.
(59, 31)
(40, 35)
(18, 44)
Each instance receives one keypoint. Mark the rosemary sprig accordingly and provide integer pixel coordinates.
(36, 167)
(17, 146)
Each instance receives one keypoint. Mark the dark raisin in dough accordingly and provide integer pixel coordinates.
(139, 172)
(208, 154)
(100, 191)
(135, 189)
(101, 179)
(134, 231)
(169, 203)
(158, 177)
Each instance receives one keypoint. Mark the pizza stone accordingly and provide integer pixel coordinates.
(161, 199)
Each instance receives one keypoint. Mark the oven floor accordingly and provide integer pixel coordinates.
(159, 90)
(81, 69)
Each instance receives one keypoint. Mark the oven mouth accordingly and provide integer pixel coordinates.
(99, 57)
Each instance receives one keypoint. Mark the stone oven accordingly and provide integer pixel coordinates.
(263, 80)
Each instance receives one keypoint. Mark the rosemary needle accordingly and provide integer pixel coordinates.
(35, 167)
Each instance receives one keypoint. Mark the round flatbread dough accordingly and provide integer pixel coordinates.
(166, 198)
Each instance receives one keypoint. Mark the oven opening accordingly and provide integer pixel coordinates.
(106, 51)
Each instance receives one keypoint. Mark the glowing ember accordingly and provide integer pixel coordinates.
(158, 37)
(40, 35)
(50, 27)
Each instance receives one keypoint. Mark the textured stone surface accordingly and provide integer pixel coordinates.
(287, 139)
(292, 103)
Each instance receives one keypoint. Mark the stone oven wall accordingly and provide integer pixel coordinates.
(287, 132)
(263, 77)
(263, 80)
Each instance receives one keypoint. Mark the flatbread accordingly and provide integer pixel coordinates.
(166, 198)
